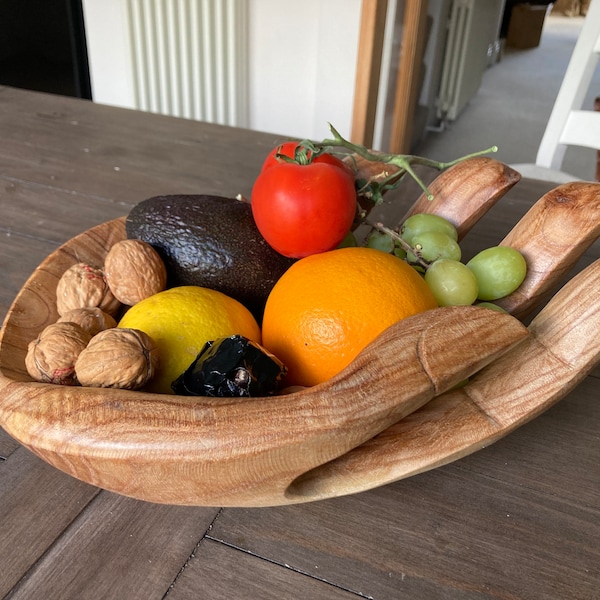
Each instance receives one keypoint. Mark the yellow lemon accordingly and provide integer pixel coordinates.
(181, 320)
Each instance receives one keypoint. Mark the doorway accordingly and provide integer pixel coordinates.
(42, 47)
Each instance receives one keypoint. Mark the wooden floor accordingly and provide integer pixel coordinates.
(517, 520)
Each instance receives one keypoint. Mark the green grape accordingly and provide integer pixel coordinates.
(349, 241)
(434, 245)
(421, 222)
(399, 251)
(460, 384)
(380, 241)
(499, 270)
(491, 306)
(452, 282)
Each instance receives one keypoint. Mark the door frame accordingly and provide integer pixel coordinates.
(368, 72)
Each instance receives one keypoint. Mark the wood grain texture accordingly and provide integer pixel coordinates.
(209, 575)
(522, 458)
(81, 148)
(368, 68)
(206, 451)
(514, 389)
(557, 230)
(136, 536)
(449, 533)
(408, 76)
(18, 259)
(25, 214)
(462, 194)
(597, 173)
(53, 499)
(7, 445)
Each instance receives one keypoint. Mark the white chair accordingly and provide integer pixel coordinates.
(569, 124)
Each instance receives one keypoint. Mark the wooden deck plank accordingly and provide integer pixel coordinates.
(425, 538)
(7, 446)
(117, 548)
(30, 217)
(209, 575)
(172, 157)
(19, 256)
(120, 183)
(37, 503)
(104, 125)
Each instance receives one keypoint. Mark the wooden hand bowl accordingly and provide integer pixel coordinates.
(387, 416)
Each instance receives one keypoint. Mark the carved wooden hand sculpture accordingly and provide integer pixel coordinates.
(387, 416)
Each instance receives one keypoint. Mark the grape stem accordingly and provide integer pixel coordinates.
(421, 262)
(403, 164)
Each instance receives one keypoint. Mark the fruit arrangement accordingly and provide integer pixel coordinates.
(395, 409)
(284, 271)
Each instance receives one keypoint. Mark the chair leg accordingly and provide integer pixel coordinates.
(597, 107)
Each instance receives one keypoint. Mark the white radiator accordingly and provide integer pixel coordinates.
(189, 58)
(473, 30)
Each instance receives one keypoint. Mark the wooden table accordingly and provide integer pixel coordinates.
(520, 519)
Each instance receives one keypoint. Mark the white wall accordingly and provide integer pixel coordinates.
(301, 62)
(109, 56)
(302, 65)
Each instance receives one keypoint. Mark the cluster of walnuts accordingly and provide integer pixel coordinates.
(85, 346)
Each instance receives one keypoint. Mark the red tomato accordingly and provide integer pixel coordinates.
(303, 209)
(289, 149)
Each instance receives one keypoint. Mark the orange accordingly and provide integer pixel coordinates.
(327, 307)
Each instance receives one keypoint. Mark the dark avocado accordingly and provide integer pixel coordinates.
(211, 242)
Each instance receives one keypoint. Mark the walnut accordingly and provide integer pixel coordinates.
(93, 320)
(118, 358)
(51, 357)
(84, 286)
(134, 270)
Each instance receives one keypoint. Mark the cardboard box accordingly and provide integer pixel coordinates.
(525, 25)
(570, 8)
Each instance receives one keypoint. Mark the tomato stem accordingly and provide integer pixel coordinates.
(304, 153)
